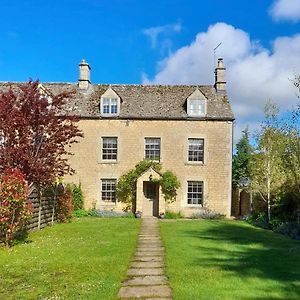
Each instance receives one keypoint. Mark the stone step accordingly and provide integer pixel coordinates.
(150, 245)
(147, 249)
(147, 264)
(146, 280)
(145, 291)
(144, 272)
(148, 258)
(149, 253)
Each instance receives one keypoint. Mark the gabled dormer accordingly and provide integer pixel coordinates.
(196, 104)
(110, 103)
(44, 93)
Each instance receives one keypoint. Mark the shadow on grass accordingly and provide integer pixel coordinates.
(249, 252)
(20, 238)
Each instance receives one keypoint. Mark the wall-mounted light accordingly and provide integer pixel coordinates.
(150, 177)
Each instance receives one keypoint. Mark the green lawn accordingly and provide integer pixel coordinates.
(230, 260)
(85, 259)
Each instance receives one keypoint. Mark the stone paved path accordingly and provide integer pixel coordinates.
(145, 277)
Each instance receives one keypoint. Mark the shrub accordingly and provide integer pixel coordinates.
(169, 185)
(77, 196)
(15, 210)
(78, 213)
(173, 215)
(207, 214)
(260, 220)
(114, 214)
(290, 229)
(64, 206)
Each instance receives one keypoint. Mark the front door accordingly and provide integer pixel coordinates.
(150, 204)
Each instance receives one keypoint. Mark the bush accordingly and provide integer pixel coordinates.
(260, 220)
(207, 214)
(64, 206)
(102, 214)
(77, 196)
(169, 185)
(78, 213)
(114, 214)
(173, 215)
(15, 210)
(290, 229)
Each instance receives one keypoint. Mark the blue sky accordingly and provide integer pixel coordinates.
(158, 42)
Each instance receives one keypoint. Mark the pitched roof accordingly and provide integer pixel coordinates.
(141, 101)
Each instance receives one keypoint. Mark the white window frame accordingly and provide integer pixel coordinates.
(153, 149)
(194, 112)
(193, 190)
(200, 151)
(107, 190)
(105, 151)
(112, 102)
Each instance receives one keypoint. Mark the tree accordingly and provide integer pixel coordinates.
(291, 158)
(266, 169)
(242, 159)
(35, 132)
(15, 210)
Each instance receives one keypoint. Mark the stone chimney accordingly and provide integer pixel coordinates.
(220, 83)
(84, 75)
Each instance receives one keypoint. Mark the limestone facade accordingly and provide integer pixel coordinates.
(215, 172)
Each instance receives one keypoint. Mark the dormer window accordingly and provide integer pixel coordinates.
(196, 108)
(110, 103)
(44, 94)
(109, 106)
(196, 104)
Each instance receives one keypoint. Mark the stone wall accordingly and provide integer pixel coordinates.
(215, 172)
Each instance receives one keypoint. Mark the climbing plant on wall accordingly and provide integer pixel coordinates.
(126, 186)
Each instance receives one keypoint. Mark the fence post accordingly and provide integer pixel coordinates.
(40, 207)
(53, 205)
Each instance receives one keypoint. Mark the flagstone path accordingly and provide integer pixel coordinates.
(145, 277)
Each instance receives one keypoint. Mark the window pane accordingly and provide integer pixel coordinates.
(195, 192)
(196, 107)
(196, 150)
(109, 106)
(109, 148)
(152, 148)
(108, 190)
(114, 106)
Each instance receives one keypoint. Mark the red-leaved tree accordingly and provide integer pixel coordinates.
(35, 132)
(15, 210)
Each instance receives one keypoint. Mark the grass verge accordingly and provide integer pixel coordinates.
(230, 260)
(85, 259)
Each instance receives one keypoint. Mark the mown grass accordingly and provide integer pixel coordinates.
(85, 259)
(230, 260)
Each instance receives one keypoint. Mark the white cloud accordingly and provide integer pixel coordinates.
(165, 31)
(286, 10)
(254, 74)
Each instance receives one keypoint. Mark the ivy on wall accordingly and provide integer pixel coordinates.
(126, 185)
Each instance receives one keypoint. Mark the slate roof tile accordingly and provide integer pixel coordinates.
(140, 101)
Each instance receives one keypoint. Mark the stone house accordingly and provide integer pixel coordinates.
(187, 128)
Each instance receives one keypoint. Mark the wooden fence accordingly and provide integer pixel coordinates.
(43, 204)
